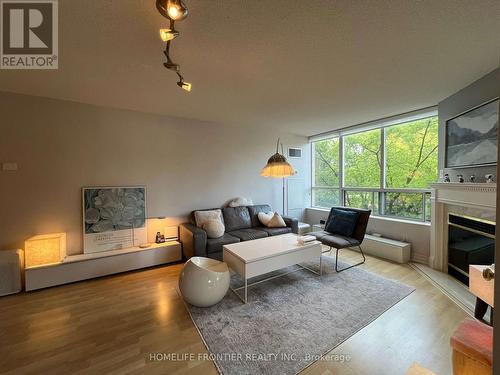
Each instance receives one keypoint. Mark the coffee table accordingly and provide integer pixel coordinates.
(258, 257)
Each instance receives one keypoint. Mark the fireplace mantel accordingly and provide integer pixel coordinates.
(480, 197)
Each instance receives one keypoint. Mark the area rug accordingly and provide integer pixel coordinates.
(292, 320)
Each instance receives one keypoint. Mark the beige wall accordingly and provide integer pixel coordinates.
(62, 146)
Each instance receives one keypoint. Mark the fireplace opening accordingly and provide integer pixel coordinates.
(470, 241)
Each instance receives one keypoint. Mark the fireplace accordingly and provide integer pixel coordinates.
(470, 241)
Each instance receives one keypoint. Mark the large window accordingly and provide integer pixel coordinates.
(387, 169)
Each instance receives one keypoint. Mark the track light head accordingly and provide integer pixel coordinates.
(175, 10)
(184, 85)
(168, 34)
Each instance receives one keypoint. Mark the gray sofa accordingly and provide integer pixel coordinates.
(242, 224)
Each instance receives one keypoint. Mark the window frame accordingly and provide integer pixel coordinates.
(382, 189)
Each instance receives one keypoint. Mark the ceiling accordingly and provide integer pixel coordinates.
(299, 66)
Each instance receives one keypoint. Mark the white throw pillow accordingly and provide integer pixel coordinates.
(276, 222)
(238, 202)
(265, 218)
(214, 228)
(201, 217)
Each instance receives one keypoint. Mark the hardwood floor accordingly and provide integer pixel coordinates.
(114, 324)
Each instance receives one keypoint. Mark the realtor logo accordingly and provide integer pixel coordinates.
(29, 37)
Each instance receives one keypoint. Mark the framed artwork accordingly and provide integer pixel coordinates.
(471, 137)
(113, 218)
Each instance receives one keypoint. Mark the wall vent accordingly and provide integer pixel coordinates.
(294, 152)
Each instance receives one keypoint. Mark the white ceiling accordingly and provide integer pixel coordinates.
(300, 66)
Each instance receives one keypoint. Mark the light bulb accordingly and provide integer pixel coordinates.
(168, 34)
(173, 11)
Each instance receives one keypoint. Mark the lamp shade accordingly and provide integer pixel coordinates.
(277, 167)
(45, 249)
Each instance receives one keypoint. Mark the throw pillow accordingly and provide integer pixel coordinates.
(276, 221)
(342, 222)
(265, 218)
(238, 202)
(214, 228)
(201, 217)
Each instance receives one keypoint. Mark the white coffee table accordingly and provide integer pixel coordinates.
(258, 257)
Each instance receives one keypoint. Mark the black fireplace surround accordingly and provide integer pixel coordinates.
(470, 241)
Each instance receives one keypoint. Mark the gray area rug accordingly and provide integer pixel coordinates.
(291, 320)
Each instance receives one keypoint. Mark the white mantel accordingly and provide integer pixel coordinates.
(480, 197)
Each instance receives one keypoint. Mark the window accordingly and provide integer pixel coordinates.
(362, 159)
(326, 167)
(387, 169)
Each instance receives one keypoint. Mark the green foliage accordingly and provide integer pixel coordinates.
(362, 159)
(326, 162)
(410, 163)
(411, 154)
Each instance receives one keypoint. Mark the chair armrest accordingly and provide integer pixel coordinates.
(292, 223)
(193, 239)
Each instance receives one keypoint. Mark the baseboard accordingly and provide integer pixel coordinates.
(420, 259)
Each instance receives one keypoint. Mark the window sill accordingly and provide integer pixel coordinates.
(383, 218)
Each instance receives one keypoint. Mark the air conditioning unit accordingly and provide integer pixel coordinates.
(11, 265)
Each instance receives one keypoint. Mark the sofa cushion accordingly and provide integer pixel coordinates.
(192, 219)
(275, 231)
(214, 245)
(342, 222)
(276, 221)
(248, 234)
(254, 212)
(214, 228)
(236, 218)
(203, 216)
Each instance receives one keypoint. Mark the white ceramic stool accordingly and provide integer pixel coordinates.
(203, 281)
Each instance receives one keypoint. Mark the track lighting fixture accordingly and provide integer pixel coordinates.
(174, 10)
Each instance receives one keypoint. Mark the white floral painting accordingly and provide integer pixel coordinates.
(113, 218)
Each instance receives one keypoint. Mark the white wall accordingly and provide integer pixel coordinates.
(61, 146)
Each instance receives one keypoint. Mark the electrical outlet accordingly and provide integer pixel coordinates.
(9, 166)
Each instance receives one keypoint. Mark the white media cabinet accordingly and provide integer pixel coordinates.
(87, 266)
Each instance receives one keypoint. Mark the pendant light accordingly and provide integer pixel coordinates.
(277, 166)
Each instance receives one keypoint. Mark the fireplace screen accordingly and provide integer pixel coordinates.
(470, 241)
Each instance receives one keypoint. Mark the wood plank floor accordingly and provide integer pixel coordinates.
(112, 325)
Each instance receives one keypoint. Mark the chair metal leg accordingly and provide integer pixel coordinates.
(346, 268)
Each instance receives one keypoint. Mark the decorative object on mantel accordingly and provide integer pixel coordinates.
(113, 217)
(174, 10)
(489, 178)
(447, 177)
(460, 178)
(472, 179)
(471, 137)
(45, 249)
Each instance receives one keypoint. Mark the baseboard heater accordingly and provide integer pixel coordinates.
(386, 248)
